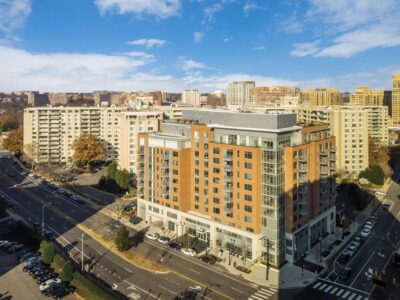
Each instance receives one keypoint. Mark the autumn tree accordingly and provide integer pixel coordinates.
(379, 155)
(87, 149)
(31, 153)
(14, 141)
(8, 122)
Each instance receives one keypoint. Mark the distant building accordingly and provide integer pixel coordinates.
(216, 99)
(322, 96)
(367, 97)
(102, 97)
(191, 97)
(37, 99)
(262, 96)
(396, 99)
(238, 94)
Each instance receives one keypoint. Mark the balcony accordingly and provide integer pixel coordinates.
(302, 210)
(303, 179)
(323, 161)
(302, 158)
(228, 158)
(165, 157)
(323, 171)
(303, 169)
(228, 207)
(323, 152)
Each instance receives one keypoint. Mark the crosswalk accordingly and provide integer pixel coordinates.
(263, 294)
(339, 291)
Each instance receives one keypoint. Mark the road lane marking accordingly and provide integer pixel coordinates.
(340, 292)
(359, 297)
(197, 272)
(345, 294)
(265, 292)
(317, 284)
(322, 286)
(373, 253)
(239, 291)
(344, 286)
(258, 298)
(128, 270)
(352, 296)
(328, 288)
(334, 290)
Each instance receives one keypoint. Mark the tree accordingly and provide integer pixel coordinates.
(67, 272)
(31, 153)
(48, 251)
(99, 222)
(379, 155)
(374, 175)
(8, 122)
(87, 149)
(112, 170)
(122, 241)
(123, 179)
(14, 141)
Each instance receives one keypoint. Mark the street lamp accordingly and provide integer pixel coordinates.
(303, 255)
(266, 257)
(182, 223)
(82, 253)
(43, 206)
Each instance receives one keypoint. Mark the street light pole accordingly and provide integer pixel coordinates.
(82, 251)
(182, 223)
(43, 206)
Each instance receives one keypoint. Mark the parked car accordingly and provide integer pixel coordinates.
(351, 250)
(209, 259)
(189, 251)
(355, 243)
(77, 199)
(369, 225)
(49, 235)
(163, 240)
(365, 233)
(175, 245)
(9, 245)
(15, 248)
(48, 283)
(45, 277)
(345, 273)
(37, 226)
(369, 273)
(42, 272)
(61, 291)
(152, 236)
(3, 243)
(130, 207)
(135, 220)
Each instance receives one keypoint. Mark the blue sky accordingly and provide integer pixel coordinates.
(86, 45)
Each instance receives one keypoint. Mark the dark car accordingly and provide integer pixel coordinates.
(37, 226)
(77, 199)
(61, 291)
(345, 273)
(130, 207)
(50, 290)
(49, 235)
(45, 277)
(398, 197)
(42, 272)
(135, 220)
(27, 256)
(209, 259)
(175, 245)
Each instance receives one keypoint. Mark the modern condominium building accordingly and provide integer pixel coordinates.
(253, 184)
(191, 97)
(367, 97)
(238, 94)
(53, 130)
(396, 99)
(322, 97)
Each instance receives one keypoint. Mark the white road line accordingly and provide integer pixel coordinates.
(352, 296)
(344, 286)
(265, 292)
(328, 288)
(317, 285)
(322, 286)
(239, 291)
(197, 272)
(334, 290)
(270, 289)
(258, 297)
(345, 294)
(373, 253)
(359, 297)
(340, 292)
(128, 270)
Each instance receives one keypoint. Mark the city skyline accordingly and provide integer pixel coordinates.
(174, 45)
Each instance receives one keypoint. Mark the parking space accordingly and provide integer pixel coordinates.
(15, 284)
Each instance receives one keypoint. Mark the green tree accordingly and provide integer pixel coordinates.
(112, 170)
(67, 272)
(87, 150)
(123, 179)
(122, 241)
(48, 251)
(374, 175)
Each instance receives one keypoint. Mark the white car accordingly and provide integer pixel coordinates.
(189, 251)
(369, 273)
(46, 284)
(366, 232)
(152, 236)
(369, 225)
(164, 240)
(2, 243)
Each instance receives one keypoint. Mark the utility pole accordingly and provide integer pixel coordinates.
(82, 249)
(43, 206)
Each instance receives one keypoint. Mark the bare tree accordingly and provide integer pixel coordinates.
(99, 222)
(244, 251)
(31, 153)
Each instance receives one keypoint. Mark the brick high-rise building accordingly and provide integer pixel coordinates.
(322, 97)
(367, 97)
(246, 183)
(396, 99)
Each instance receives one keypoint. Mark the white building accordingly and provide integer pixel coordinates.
(238, 94)
(191, 97)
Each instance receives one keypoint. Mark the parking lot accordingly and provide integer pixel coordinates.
(15, 284)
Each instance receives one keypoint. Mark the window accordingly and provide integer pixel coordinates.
(248, 198)
(216, 160)
(248, 208)
(216, 171)
(248, 155)
(216, 151)
(216, 210)
(248, 187)
(248, 219)
(216, 180)
(216, 200)
(248, 176)
(248, 165)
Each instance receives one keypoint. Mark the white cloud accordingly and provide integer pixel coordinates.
(148, 43)
(352, 27)
(259, 48)
(228, 39)
(198, 36)
(212, 10)
(160, 8)
(13, 14)
(304, 49)
(190, 64)
(250, 6)
(142, 55)
(291, 25)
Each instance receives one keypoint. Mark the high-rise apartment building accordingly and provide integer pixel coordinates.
(191, 97)
(53, 130)
(322, 97)
(352, 127)
(396, 99)
(255, 185)
(238, 94)
(367, 97)
(261, 96)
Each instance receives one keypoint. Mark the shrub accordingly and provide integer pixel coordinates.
(122, 241)
(374, 175)
(88, 290)
(48, 251)
(67, 272)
